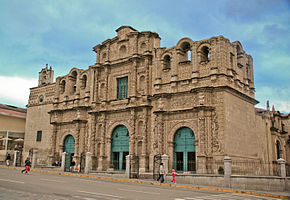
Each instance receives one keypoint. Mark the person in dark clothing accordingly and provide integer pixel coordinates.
(27, 166)
(72, 165)
(8, 157)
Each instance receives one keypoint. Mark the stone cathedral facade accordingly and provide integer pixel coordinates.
(193, 102)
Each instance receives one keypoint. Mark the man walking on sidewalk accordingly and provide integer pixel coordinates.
(162, 173)
(27, 166)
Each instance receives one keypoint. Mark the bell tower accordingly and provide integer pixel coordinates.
(45, 76)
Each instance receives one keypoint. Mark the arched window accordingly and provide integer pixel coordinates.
(166, 62)
(278, 149)
(185, 47)
(73, 80)
(62, 86)
(84, 82)
(204, 56)
(123, 51)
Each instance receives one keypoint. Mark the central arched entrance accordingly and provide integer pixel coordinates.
(119, 147)
(69, 148)
(184, 150)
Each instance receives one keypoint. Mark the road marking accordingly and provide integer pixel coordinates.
(85, 198)
(95, 181)
(139, 191)
(12, 181)
(96, 193)
(43, 179)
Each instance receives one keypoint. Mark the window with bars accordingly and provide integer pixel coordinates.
(122, 87)
(38, 136)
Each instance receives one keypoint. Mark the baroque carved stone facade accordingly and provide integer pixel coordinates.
(206, 86)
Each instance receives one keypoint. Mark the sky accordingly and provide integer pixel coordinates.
(62, 33)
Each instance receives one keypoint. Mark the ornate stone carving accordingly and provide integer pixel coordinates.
(216, 146)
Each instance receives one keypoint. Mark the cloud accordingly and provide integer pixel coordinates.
(62, 34)
(277, 96)
(15, 90)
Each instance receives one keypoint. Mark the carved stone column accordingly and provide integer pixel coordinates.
(92, 127)
(201, 131)
(102, 134)
(201, 158)
(170, 153)
(142, 163)
(77, 139)
(160, 133)
(132, 135)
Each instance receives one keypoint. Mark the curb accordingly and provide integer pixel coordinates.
(152, 183)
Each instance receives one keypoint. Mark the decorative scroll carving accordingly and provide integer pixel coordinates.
(184, 101)
(77, 142)
(201, 128)
(215, 137)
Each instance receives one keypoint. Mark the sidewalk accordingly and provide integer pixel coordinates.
(108, 177)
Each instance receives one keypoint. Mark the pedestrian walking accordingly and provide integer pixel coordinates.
(8, 157)
(27, 166)
(162, 173)
(173, 176)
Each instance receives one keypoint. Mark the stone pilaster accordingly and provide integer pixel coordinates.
(77, 139)
(53, 141)
(164, 160)
(88, 165)
(63, 155)
(92, 128)
(34, 158)
(128, 159)
(281, 167)
(228, 171)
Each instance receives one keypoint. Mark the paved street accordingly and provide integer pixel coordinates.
(40, 186)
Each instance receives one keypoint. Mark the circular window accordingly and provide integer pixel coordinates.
(41, 97)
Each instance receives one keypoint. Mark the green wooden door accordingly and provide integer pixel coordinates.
(69, 147)
(119, 147)
(184, 150)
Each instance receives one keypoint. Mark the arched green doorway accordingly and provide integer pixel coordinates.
(184, 150)
(119, 147)
(69, 147)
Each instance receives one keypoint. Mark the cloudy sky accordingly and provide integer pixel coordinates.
(63, 32)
